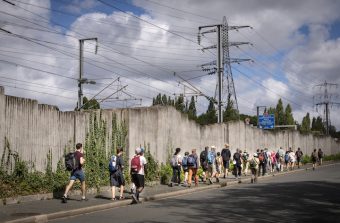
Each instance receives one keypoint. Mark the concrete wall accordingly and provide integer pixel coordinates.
(33, 129)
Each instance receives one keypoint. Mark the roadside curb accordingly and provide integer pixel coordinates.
(63, 214)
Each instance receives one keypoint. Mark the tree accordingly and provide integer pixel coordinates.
(289, 120)
(179, 103)
(305, 125)
(164, 100)
(192, 109)
(318, 126)
(210, 116)
(279, 113)
(90, 104)
(230, 113)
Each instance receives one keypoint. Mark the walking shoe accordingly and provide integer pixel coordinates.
(64, 199)
(84, 199)
(134, 199)
(252, 181)
(210, 181)
(217, 180)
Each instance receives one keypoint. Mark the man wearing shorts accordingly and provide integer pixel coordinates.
(137, 175)
(77, 173)
(226, 154)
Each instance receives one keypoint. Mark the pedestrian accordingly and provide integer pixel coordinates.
(281, 159)
(314, 158)
(320, 156)
(175, 162)
(273, 161)
(254, 167)
(193, 166)
(77, 173)
(287, 159)
(185, 168)
(219, 164)
(268, 159)
(299, 155)
(212, 165)
(245, 162)
(116, 168)
(262, 162)
(138, 170)
(204, 162)
(226, 154)
(237, 164)
(292, 159)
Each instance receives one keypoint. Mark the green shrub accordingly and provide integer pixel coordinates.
(152, 173)
(165, 173)
(306, 159)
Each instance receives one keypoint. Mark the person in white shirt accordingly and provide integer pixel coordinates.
(176, 163)
(138, 170)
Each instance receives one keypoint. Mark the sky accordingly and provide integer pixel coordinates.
(151, 46)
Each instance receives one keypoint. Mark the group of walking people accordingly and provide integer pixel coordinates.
(214, 164)
(218, 164)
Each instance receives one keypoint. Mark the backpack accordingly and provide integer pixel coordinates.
(261, 157)
(185, 161)
(237, 156)
(287, 157)
(70, 162)
(135, 165)
(320, 154)
(225, 154)
(211, 157)
(174, 161)
(245, 156)
(253, 164)
(113, 164)
(299, 154)
(203, 156)
(277, 155)
(191, 161)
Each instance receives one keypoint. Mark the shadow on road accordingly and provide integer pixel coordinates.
(309, 201)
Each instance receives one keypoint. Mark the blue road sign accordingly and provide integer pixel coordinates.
(266, 121)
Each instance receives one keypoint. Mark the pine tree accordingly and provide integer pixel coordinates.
(164, 100)
(279, 113)
(289, 120)
(230, 113)
(305, 125)
(192, 109)
(179, 104)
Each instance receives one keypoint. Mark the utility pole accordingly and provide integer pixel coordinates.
(325, 99)
(223, 65)
(82, 80)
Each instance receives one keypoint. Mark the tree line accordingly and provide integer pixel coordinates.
(283, 115)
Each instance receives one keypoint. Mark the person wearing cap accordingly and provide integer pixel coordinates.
(254, 166)
(138, 170)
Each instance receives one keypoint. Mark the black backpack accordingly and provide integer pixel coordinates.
(225, 154)
(203, 156)
(70, 162)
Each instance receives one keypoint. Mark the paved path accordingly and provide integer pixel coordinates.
(303, 196)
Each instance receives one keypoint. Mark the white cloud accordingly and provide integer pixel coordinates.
(303, 60)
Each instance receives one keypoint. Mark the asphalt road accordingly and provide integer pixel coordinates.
(304, 196)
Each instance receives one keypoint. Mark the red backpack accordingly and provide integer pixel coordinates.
(135, 165)
(261, 157)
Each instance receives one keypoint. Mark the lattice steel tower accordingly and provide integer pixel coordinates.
(225, 87)
(326, 98)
